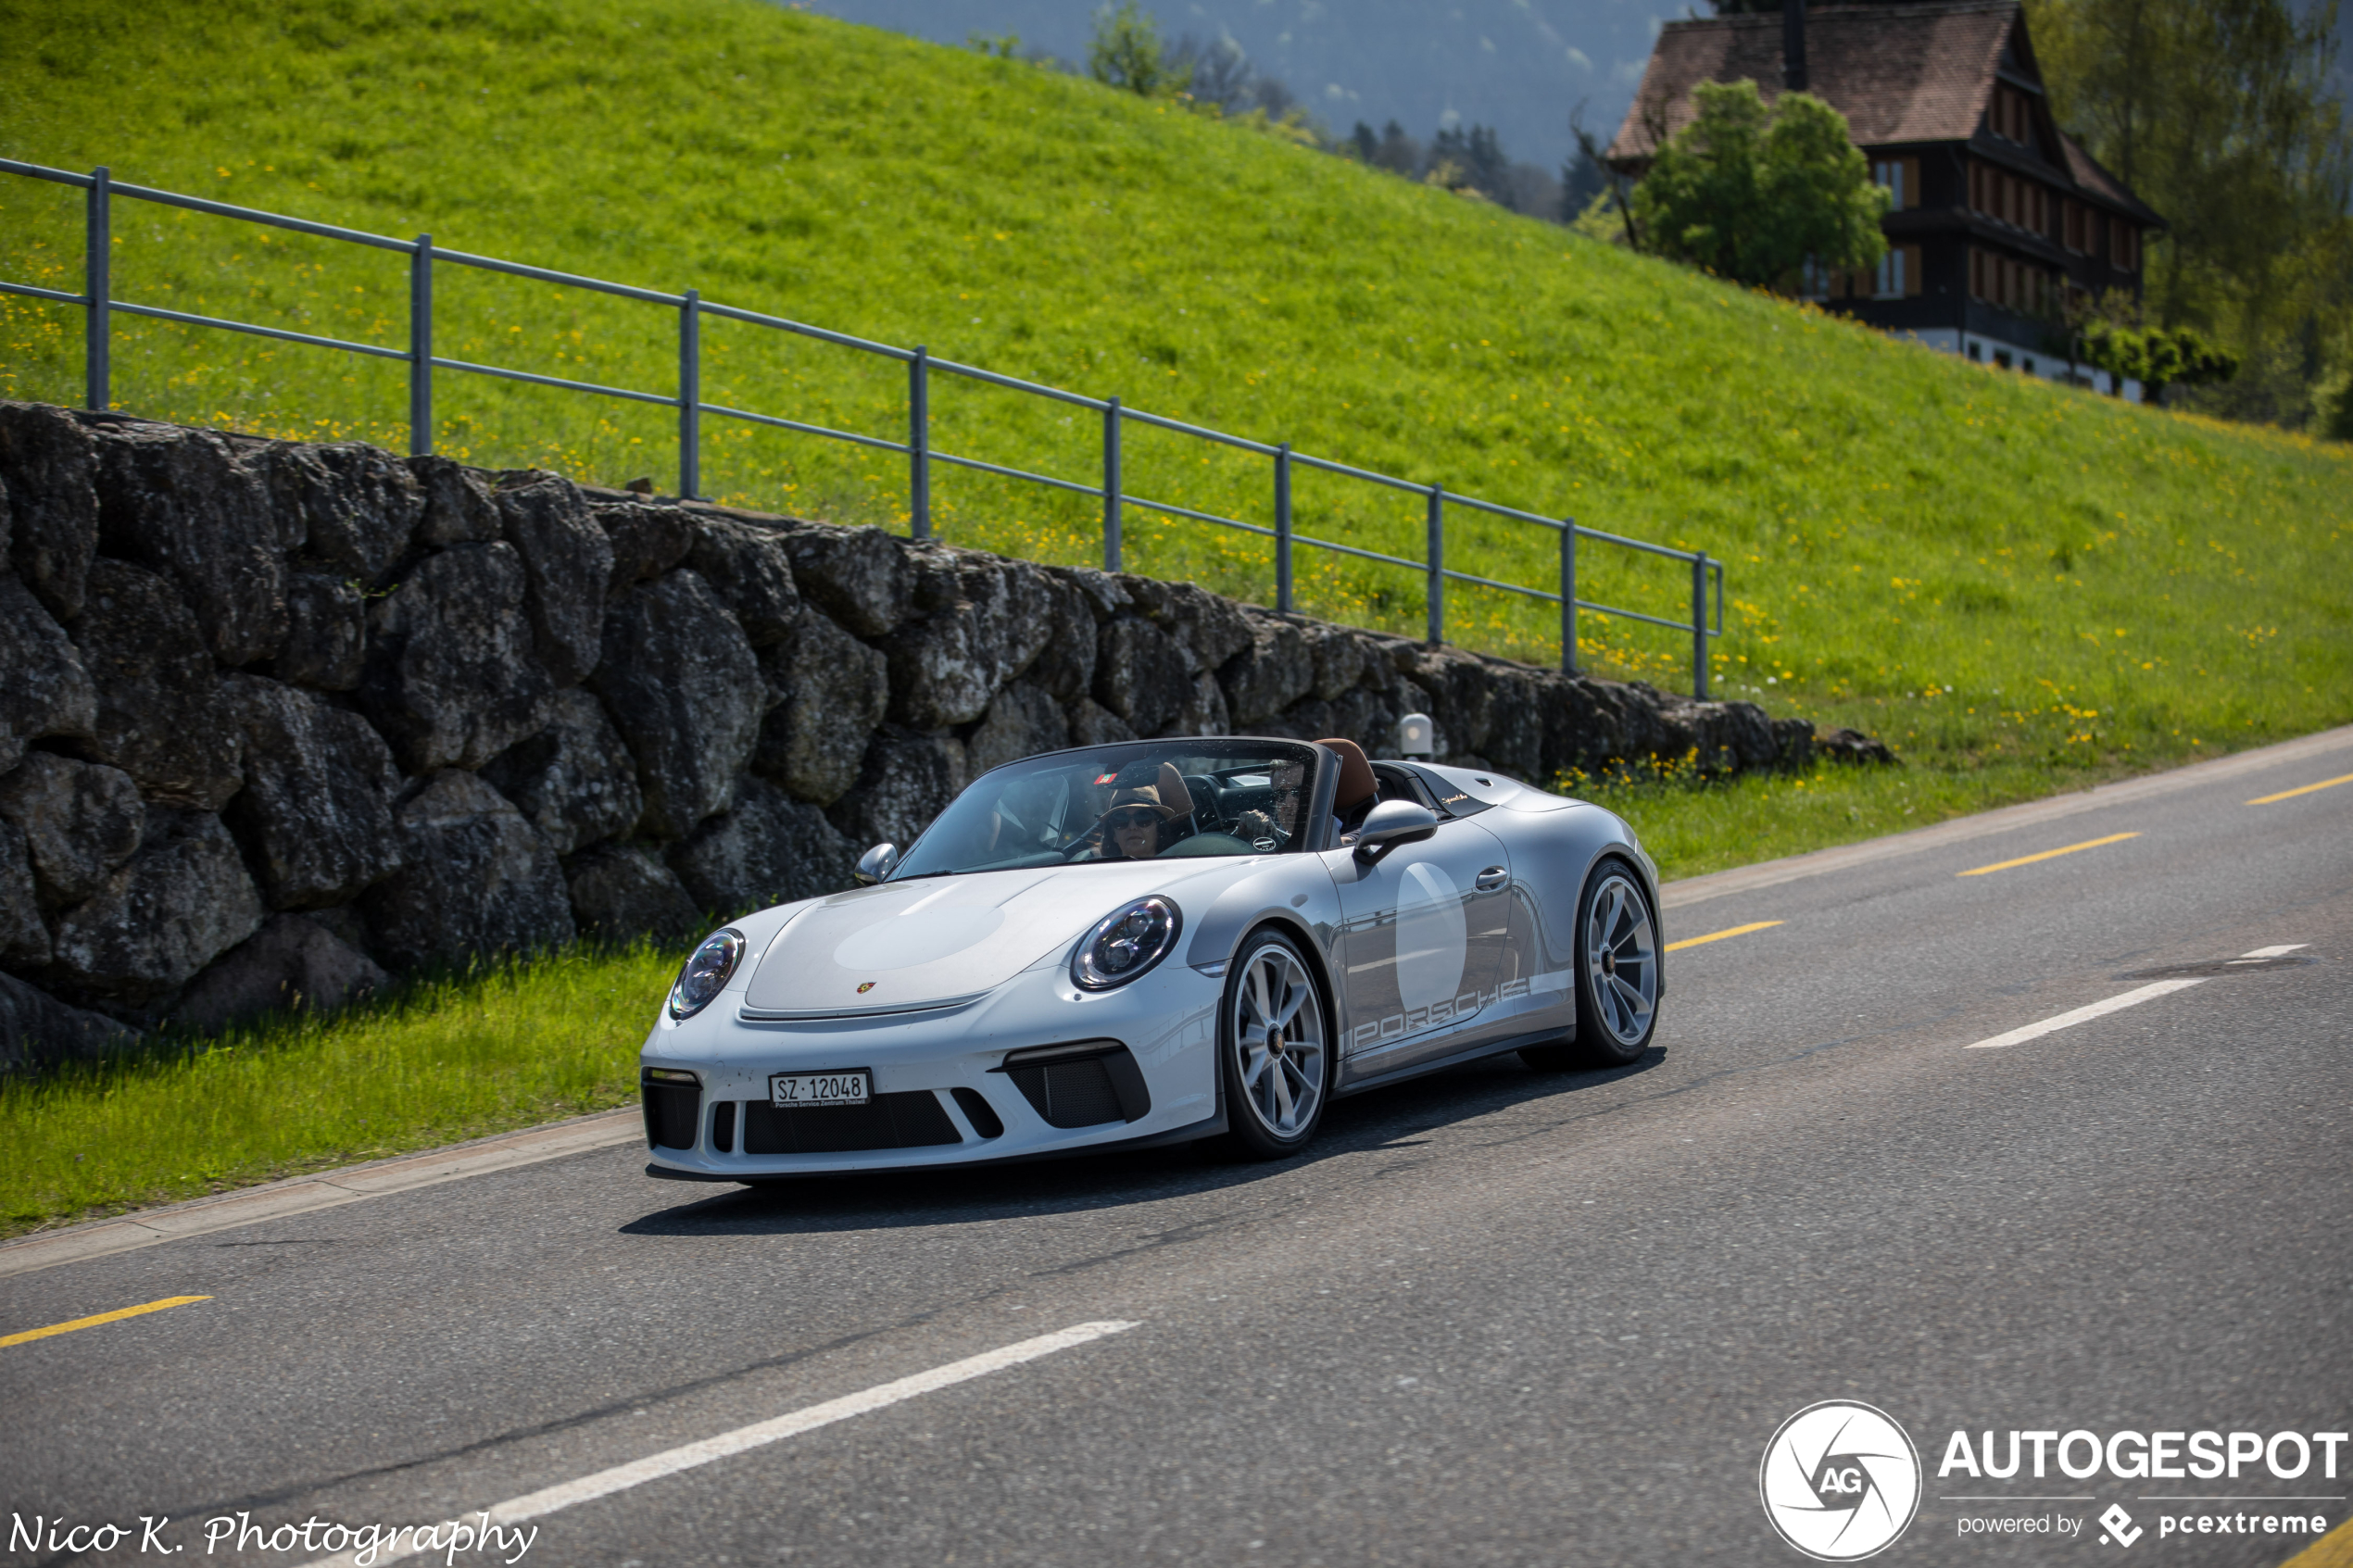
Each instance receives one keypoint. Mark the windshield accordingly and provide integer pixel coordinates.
(1141, 800)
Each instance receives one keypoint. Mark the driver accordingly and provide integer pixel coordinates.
(1132, 827)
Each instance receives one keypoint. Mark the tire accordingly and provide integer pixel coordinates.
(1274, 1048)
(1616, 979)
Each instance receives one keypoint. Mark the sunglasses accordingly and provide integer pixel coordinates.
(1118, 821)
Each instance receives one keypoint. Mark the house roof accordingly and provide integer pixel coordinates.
(1917, 72)
(2094, 177)
(1898, 73)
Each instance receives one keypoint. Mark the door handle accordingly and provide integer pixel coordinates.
(1492, 878)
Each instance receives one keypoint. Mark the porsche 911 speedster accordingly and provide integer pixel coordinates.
(1149, 942)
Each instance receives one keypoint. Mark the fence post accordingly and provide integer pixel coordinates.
(421, 347)
(1282, 528)
(1568, 595)
(1699, 625)
(1437, 566)
(1111, 485)
(919, 444)
(97, 326)
(691, 394)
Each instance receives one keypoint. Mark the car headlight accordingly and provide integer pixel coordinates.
(1123, 947)
(707, 973)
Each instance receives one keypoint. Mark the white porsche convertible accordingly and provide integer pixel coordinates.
(1152, 942)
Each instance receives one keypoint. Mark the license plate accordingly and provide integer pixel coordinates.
(802, 1090)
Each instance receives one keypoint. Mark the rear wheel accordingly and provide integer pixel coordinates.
(1273, 1051)
(1617, 980)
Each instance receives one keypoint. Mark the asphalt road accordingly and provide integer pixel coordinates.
(1493, 1317)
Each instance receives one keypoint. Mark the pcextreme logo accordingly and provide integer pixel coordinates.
(1840, 1481)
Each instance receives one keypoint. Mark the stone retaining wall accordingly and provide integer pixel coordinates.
(278, 721)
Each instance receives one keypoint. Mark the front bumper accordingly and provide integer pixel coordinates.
(1036, 1068)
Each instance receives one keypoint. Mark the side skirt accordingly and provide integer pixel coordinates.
(1474, 1053)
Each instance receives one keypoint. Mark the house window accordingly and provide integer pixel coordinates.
(2011, 116)
(1900, 177)
(1899, 273)
(1812, 281)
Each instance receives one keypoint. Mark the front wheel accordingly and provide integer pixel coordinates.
(1272, 1048)
(1617, 974)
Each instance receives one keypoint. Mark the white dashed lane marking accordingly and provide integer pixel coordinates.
(690, 1456)
(2148, 993)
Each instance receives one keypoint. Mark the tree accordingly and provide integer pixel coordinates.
(1126, 52)
(1474, 160)
(1755, 193)
(2157, 357)
(2223, 116)
(1217, 73)
(1583, 178)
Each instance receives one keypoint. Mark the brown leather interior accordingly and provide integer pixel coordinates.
(1356, 781)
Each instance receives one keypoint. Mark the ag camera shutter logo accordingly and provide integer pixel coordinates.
(1840, 1481)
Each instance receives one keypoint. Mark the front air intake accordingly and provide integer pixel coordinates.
(979, 1113)
(1084, 1084)
(672, 1112)
(912, 1120)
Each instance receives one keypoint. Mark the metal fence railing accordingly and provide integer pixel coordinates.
(98, 302)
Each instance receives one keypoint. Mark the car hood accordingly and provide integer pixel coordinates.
(937, 942)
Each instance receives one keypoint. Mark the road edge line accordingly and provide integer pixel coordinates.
(326, 1189)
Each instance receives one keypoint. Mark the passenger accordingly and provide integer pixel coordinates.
(1135, 826)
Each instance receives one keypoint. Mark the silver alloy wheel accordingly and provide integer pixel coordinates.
(1621, 959)
(1278, 1033)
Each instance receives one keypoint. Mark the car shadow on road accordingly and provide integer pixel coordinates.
(1396, 1117)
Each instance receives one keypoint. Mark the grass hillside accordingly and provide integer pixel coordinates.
(1977, 566)
(2021, 587)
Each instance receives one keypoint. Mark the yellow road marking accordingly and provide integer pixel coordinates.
(2331, 1550)
(1719, 935)
(31, 1334)
(2047, 854)
(2292, 794)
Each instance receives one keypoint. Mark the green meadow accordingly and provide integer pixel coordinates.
(2022, 588)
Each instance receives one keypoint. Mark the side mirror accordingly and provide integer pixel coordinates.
(876, 864)
(1390, 823)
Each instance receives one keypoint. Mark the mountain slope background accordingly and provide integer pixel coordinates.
(2002, 576)
(1519, 66)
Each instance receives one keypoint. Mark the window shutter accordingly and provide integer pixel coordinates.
(1911, 259)
(1911, 167)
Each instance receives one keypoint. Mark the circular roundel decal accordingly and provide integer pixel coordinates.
(1434, 939)
(1840, 1481)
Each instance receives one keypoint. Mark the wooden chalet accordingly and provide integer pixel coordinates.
(1997, 215)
